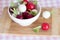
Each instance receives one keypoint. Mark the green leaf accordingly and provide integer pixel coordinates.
(54, 11)
(34, 13)
(36, 29)
(15, 11)
(35, 2)
(12, 4)
(19, 0)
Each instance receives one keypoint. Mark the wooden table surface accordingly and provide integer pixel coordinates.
(9, 26)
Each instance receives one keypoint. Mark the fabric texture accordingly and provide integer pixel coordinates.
(15, 37)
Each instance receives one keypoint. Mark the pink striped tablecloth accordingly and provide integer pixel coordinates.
(42, 3)
(16, 37)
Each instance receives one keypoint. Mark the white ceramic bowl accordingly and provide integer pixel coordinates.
(26, 22)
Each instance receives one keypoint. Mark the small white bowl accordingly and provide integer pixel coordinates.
(26, 22)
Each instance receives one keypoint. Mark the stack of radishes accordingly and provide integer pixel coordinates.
(24, 9)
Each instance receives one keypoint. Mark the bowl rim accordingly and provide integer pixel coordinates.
(24, 19)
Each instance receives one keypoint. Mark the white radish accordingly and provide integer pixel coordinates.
(22, 8)
(46, 14)
(34, 10)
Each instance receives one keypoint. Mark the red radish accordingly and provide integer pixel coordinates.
(25, 0)
(30, 6)
(29, 16)
(45, 26)
(26, 15)
(19, 16)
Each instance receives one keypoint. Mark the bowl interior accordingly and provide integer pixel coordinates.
(38, 8)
